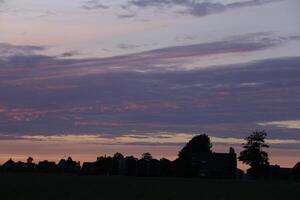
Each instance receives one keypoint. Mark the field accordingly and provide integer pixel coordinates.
(73, 187)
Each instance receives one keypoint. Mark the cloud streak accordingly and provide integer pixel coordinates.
(224, 100)
(198, 8)
(158, 60)
(94, 5)
(150, 92)
(291, 124)
(146, 139)
(7, 50)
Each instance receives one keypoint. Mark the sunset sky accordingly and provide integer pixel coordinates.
(93, 77)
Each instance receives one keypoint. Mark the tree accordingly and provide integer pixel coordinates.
(69, 160)
(130, 166)
(30, 164)
(147, 156)
(253, 154)
(118, 156)
(199, 147)
(165, 167)
(29, 160)
(296, 171)
(199, 144)
(118, 164)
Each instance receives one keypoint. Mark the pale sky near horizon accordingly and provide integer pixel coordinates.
(148, 74)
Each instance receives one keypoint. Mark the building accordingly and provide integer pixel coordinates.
(9, 165)
(47, 166)
(68, 165)
(280, 173)
(216, 164)
(19, 166)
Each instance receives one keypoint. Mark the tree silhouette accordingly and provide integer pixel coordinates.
(118, 156)
(296, 171)
(147, 156)
(165, 167)
(117, 164)
(29, 160)
(253, 154)
(199, 144)
(30, 164)
(69, 160)
(130, 165)
(198, 147)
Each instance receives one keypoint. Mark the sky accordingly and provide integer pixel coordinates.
(91, 77)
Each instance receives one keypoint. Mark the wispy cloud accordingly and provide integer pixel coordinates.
(157, 60)
(149, 91)
(291, 124)
(124, 16)
(145, 139)
(7, 50)
(198, 8)
(94, 5)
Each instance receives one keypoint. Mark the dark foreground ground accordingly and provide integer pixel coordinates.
(73, 187)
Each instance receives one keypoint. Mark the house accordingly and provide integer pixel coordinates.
(68, 165)
(46, 166)
(216, 164)
(9, 165)
(279, 173)
(19, 166)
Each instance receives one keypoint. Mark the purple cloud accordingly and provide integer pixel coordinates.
(222, 101)
(55, 67)
(198, 8)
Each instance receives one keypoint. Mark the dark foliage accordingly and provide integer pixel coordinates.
(296, 172)
(198, 147)
(199, 144)
(254, 155)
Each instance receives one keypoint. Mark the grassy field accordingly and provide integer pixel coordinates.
(73, 187)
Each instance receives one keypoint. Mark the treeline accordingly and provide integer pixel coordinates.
(196, 159)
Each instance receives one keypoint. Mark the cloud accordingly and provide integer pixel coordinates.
(94, 5)
(221, 101)
(124, 16)
(148, 3)
(69, 54)
(2, 2)
(198, 8)
(291, 124)
(150, 91)
(234, 44)
(157, 60)
(146, 139)
(7, 50)
(128, 46)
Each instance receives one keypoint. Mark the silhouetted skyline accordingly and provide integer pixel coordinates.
(196, 159)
